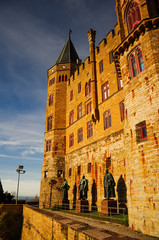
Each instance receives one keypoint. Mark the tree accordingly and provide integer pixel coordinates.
(5, 197)
(1, 193)
(8, 197)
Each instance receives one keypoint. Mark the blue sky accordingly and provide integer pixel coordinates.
(32, 35)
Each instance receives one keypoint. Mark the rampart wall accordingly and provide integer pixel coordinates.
(44, 225)
(40, 224)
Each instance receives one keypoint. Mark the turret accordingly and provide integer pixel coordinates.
(53, 168)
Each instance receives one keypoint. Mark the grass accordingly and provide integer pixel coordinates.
(118, 218)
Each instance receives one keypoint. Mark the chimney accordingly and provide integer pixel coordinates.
(91, 39)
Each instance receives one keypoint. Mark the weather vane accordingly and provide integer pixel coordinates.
(69, 32)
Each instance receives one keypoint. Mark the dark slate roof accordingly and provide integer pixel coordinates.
(68, 53)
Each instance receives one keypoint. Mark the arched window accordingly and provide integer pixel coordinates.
(89, 85)
(122, 110)
(65, 78)
(140, 59)
(86, 89)
(60, 78)
(107, 119)
(133, 16)
(105, 91)
(136, 62)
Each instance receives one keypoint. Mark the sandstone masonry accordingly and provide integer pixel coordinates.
(104, 113)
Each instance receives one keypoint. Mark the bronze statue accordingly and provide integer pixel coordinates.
(109, 185)
(83, 188)
(65, 187)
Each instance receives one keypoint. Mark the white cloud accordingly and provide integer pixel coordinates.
(19, 157)
(23, 134)
(26, 187)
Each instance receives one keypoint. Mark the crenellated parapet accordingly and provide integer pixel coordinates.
(106, 42)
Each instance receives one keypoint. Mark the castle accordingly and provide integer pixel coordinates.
(104, 113)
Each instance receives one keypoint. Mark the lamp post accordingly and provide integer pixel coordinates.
(19, 170)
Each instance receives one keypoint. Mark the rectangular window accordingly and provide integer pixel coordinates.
(71, 117)
(107, 119)
(45, 174)
(70, 172)
(120, 83)
(79, 111)
(122, 110)
(89, 129)
(141, 132)
(89, 167)
(48, 145)
(79, 87)
(71, 140)
(105, 91)
(111, 58)
(60, 173)
(89, 107)
(80, 135)
(50, 99)
(49, 123)
(79, 170)
(71, 95)
(101, 66)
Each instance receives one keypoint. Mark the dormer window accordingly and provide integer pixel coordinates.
(133, 16)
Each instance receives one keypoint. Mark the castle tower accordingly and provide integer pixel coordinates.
(53, 168)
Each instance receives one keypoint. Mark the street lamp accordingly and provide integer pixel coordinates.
(19, 170)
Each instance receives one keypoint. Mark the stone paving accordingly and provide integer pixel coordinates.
(100, 230)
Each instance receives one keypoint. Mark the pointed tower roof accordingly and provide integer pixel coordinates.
(68, 53)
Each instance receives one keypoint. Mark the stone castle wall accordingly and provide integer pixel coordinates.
(96, 154)
(133, 162)
(42, 225)
(142, 104)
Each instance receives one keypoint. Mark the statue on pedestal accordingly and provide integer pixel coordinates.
(83, 188)
(109, 185)
(65, 187)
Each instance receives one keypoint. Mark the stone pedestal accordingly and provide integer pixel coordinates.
(108, 207)
(64, 204)
(82, 206)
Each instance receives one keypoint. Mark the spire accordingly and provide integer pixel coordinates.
(69, 32)
(68, 53)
